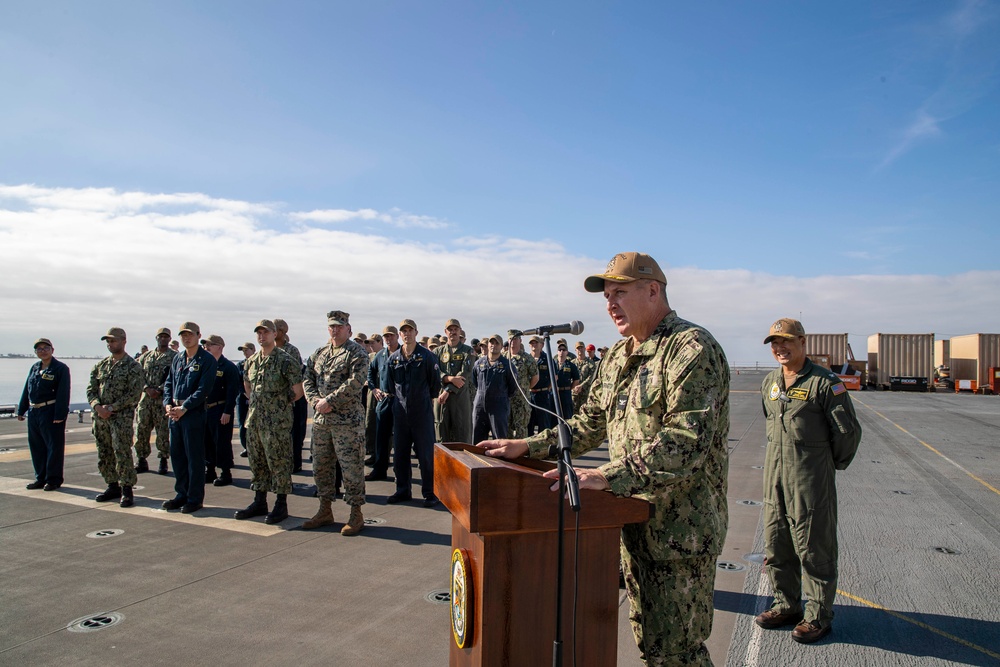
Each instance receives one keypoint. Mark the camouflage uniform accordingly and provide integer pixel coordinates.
(118, 384)
(588, 370)
(456, 413)
(810, 435)
(520, 409)
(664, 408)
(337, 374)
(269, 420)
(150, 415)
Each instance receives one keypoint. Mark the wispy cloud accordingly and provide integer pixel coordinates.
(922, 127)
(80, 260)
(967, 74)
(393, 217)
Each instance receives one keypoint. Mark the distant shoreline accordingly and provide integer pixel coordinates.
(31, 356)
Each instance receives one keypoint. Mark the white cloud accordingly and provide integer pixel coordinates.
(335, 215)
(393, 217)
(78, 261)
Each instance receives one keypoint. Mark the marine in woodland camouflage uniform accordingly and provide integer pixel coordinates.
(334, 376)
(526, 369)
(661, 398)
(113, 393)
(273, 381)
(150, 415)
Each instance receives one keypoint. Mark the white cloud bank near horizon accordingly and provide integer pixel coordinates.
(77, 261)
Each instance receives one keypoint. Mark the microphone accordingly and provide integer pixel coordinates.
(574, 328)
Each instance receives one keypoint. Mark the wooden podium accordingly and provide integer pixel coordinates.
(504, 542)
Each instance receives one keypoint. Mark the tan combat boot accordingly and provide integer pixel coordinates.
(324, 517)
(355, 523)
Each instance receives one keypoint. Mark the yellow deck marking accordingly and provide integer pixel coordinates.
(920, 624)
(978, 479)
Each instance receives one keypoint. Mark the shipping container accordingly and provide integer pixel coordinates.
(833, 346)
(942, 357)
(903, 361)
(973, 355)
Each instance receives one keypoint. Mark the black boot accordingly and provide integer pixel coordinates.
(113, 492)
(280, 511)
(210, 475)
(141, 466)
(225, 479)
(127, 499)
(162, 470)
(257, 508)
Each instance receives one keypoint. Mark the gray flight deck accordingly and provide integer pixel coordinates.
(919, 542)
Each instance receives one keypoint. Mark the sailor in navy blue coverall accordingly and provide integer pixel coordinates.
(495, 385)
(416, 383)
(219, 410)
(185, 392)
(45, 399)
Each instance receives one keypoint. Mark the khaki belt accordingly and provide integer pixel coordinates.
(536, 391)
(42, 405)
(212, 405)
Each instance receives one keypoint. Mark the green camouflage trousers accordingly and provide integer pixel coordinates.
(149, 416)
(114, 448)
(520, 414)
(670, 608)
(339, 442)
(269, 450)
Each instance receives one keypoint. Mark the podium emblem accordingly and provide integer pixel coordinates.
(461, 598)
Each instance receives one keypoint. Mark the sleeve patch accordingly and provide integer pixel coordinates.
(838, 389)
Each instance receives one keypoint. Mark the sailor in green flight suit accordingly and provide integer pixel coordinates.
(812, 431)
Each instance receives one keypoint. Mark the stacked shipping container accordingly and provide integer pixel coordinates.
(901, 361)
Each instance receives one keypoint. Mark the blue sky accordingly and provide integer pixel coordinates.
(747, 146)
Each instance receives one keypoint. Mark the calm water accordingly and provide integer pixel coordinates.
(13, 373)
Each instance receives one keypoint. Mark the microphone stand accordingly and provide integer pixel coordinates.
(563, 452)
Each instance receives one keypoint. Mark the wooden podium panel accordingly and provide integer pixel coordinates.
(506, 518)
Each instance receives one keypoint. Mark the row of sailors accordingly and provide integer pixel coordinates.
(492, 388)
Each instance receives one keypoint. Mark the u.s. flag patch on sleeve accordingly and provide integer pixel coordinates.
(838, 389)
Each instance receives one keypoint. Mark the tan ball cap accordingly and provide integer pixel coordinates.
(452, 323)
(190, 327)
(408, 323)
(42, 341)
(389, 329)
(626, 267)
(495, 337)
(786, 327)
(163, 330)
(265, 324)
(114, 332)
(247, 346)
(214, 339)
